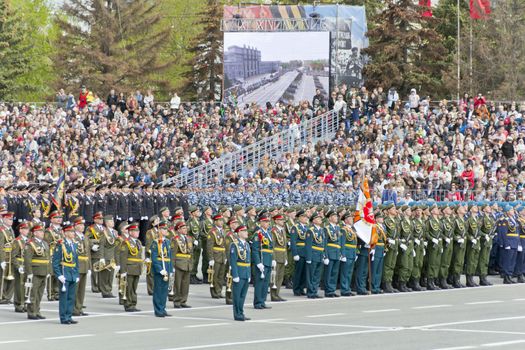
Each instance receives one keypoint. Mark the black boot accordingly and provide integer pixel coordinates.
(456, 283)
(435, 283)
(483, 281)
(387, 287)
(415, 286)
(443, 283)
(431, 285)
(507, 280)
(521, 279)
(470, 281)
(403, 287)
(423, 282)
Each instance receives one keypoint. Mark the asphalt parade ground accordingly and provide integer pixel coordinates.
(468, 318)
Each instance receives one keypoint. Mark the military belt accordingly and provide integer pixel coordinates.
(83, 258)
(163, 259)
(135, 260)
(180, 255)
(333, 245)
(522, 236)
(267, 250)
(351, 245)
(65, 264)
(279, 249)
(243, 264)
(7, 250)
(219, 249)
(321, 249)
(380, 244)
(300, 244)
(20, 259)
(512, 235)
(40, 261)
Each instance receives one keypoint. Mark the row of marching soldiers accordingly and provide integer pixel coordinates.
(420, 245)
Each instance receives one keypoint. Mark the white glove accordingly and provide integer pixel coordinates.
(3, 264)
(147, 260)
(391, 241)
(211, 263)
(163, 272)
(236, 279)
(249, 279)
(424, 252)
(296, 258)
(367, 246)
(95, 248)
(225, 261)
(414, 253)
(308, 261)
(77, 279)
(21, 270)
(487, 238)
(507, 248)
(435, 241)
(403, 246)
(425, 243)
(520, 248)
(356, 257)
(274, 263)
(326, 261)
(447, 240)
(62, 279)
(474, 241)
(123, 275)
(343, 258)
(89, 272)
(286, 263)
(30, 276)
(372, 252)
(260, 266)
(196, 243)
(461, 240)
(417, 241)
(102, 261)
(117, 269)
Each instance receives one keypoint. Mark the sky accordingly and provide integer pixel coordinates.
(283, 46)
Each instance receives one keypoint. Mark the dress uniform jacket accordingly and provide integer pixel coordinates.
(298, 240)
(262, 248)
(280, 243)
(130, 259)
(108, 243)
(215, 245)
(334, 241)
(315, 244)
(94, 233)
(182, 246)
(83, 251)
(36, 258)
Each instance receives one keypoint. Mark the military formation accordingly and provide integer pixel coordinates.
(309, 249)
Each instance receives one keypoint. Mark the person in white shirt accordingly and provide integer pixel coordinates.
(175, 102)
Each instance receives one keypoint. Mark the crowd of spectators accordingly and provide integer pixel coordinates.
(410, 147)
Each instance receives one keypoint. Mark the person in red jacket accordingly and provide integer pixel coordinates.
(82, 97)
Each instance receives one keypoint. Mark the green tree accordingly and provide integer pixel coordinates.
(405, 50)
(112, 44)
(14, 60)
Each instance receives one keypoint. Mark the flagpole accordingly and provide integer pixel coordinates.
(459, 55)
(470, 59)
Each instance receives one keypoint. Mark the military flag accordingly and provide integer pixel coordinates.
(364, 221)
(479, 9)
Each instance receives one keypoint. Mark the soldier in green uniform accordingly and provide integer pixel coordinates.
(406, 249)
(131, 262)
(447, 220)
(84, 264)
(473, 245)
(182, 246)
(194, 230)
(217, 256)
(36, 266)
(348, 253)
(7, 241)
(206, 225)
(458, 253)
(280, 255)
(18, 266)
(52, 235)
(251, 222)
(161, 268)
(434, 247)
(240, 269)
(151, 235)
(334, 242)
(488, 229)
(392, 245)
(288, 226)
(229, 238)
(418, 233)
(108, 244)
(93, 234)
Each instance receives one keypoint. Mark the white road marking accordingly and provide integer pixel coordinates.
(326, 315)
(376, 311)
(143, 330)
(267, 320)
(471, 331)
(470, 322)
(519, 299)
(511, 342)
(276, 340)
(70, 336)
(12, 341)
(458, 348)
(430, 307)
(484, 302)
(207, 325)
(333, 325)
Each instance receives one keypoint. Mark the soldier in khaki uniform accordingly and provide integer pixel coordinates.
(131, 262)
(182, 247)
(206, 224)
(151, 235)
(122, 237)
(280, 244)
(251, 222)
(36, 266)
(7, 240)
(18, 263)
(93, 234)
(194, 227)
(288, 226)
(52, 235)
(108, 245)
(84, 264)
(231, 237)
(217, 255)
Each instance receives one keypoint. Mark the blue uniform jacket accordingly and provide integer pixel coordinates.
(334, 242)
(157, 262)
(508, 232)
(65, 260)
(349, 242)
(315, 244)
(262, 247)
(298, 240)
(240, 259)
